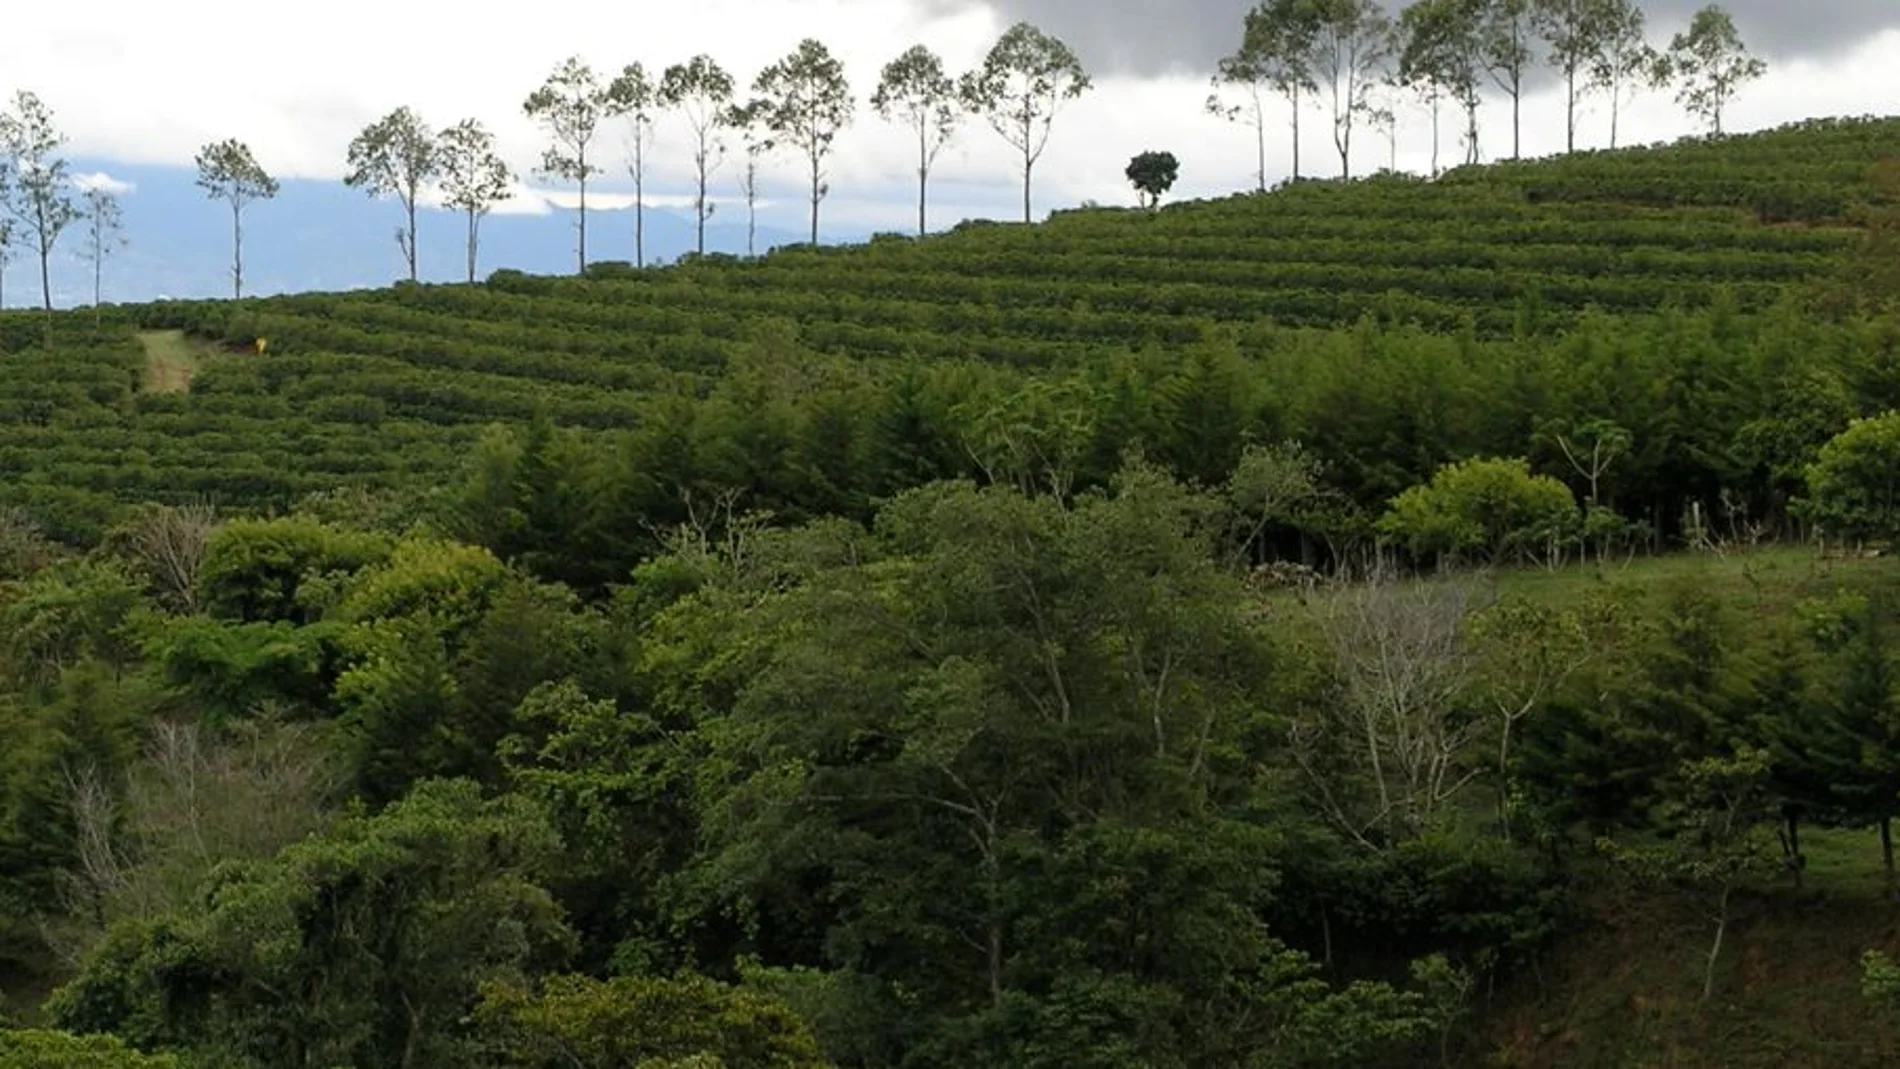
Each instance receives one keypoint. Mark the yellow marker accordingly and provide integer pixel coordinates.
(262, 344)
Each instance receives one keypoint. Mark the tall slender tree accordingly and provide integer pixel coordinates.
(805, 101)
(1504, 46)
(105, 233)
(1708, 63)
(1626, 62)
(227, 171)
(474, 178)
(397, 155)
(756, 141)
(1020, 88)
(6, 247)
(570, 106)
(1436, 44)
(1279, 36)
(633, 96)
(1353, 43)
(1575, 32)
(700, 90)
(1247, 72)
(36, 190)
(915, 91)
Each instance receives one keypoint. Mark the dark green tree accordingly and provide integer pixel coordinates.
(1153, 174)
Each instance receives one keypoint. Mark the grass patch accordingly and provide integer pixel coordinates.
(170, 361)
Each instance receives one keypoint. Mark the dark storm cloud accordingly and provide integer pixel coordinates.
(1156, 36)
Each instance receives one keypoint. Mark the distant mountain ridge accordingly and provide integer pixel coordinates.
(324, 236)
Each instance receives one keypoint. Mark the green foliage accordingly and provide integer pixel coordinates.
(66, 614)
(386, 925)
(1153, 174)
(1486, 510)
(642, 1022)
(36, 1049)
(1854, 482)
(257, 570)
(992, 720)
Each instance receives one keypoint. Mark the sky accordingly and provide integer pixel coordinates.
(139, 82)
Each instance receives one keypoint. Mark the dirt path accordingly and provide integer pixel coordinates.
(170, 361)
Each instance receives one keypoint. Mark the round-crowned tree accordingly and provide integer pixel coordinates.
(1487, 509)
(1153, 174)
(1854, 484)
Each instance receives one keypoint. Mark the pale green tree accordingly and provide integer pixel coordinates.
(227, 171)
(105, 232)
(35, 187)
(474, 178)
(1575, 32)
(1505, 34)
(915, 91)
(700, 90)
(1436, 46)
(396, 155)
(1708, 63)
(1353, 43)
(756, 141)
(805, 101)
(1022, 85)
(570, 106)
(633, 96)
(1626, 62)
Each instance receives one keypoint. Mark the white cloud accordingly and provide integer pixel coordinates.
(102, 181)
(138, 82)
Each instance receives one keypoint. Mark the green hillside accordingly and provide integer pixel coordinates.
(1393, 323)
(1375, 624)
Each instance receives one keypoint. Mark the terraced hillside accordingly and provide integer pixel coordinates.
(1393, 323)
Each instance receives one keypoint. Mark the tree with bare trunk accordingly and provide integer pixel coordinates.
(195, 801)
(227, 171)
(1023, 83)
(1391, 749)
(915, 90)
(397, 155)
(701, 91)
(35, 188)
(474, 178)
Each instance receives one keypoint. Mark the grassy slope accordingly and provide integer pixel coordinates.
(1624, 988)
(170, 361)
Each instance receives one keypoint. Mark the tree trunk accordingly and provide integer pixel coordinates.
(410, 205)
(817, 194)
(1029, 165)
(996, 964)
(581, 248)
(699, 205)
(923, 179)
(1295, 96)
(639, 199)
(471, 246)
(1435, 136)
(1794, 846)
(1886, 851)
(1715, 948)
(1260, 139)
(1570, 108)
(1616, 109)
(237, 251)
(1517, 121)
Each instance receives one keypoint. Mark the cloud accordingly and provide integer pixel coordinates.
(1149, 37)
(102, 181)
(134, 82)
